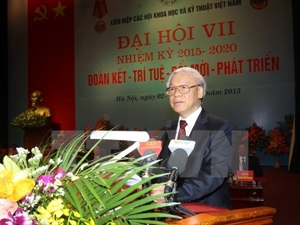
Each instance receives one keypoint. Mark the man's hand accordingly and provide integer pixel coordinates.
(157, 191)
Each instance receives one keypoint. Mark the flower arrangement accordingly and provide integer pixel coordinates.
(103, 123)
(277, 143)
(286, 127)
(256, 137)
(64, 188)
(29, 120)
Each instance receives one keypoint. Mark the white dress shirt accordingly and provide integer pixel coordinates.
(242, 159)
(191, 120)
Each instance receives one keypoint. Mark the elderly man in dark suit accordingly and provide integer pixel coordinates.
(204, 179)
(243, 161)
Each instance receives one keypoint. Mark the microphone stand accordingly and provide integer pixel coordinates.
(175, 209)
(146, 174)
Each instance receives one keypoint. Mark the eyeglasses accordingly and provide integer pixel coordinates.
(183, 89)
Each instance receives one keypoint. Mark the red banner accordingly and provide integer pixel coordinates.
(51, 61)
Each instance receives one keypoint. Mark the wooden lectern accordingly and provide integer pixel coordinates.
(252, 216)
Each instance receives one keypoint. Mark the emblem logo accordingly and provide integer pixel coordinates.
(42, 12)
(168, 2)
(100, 26)
(258, 4)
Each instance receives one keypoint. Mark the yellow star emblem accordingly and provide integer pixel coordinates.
(59, 10)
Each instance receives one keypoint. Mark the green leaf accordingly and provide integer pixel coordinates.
(101, 191)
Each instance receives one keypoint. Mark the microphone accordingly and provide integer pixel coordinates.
(178, 159)
(151, 156)
(177, 163)
(183, 143)
(147, 173)
(171, 181)
(151, 149)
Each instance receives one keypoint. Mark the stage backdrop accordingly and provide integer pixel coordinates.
(102, 57)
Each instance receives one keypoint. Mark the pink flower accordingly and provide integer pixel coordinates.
(59, 173)
(20, 217)
(45, 180)
(7, 206)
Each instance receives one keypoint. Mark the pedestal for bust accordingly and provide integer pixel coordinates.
(38, 137)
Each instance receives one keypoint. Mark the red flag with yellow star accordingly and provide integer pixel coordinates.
(51, 61)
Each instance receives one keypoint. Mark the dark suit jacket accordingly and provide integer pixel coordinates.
(252, 163)
(204, 179)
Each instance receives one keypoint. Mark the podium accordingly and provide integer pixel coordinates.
(247, 194)
(255, 216)
(38, 137)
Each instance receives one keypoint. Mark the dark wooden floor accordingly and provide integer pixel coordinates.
(281, 191)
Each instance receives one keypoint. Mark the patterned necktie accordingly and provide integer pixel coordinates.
(181, 131)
